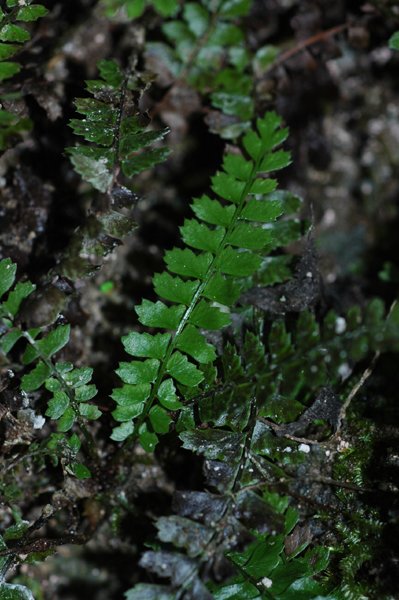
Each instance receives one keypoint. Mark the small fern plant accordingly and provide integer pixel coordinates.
(117, 140)
(118, 143)
(13, 37)
(70, 388)
(225, 243)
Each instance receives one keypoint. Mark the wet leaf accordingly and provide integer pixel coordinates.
(184, 533)
(213, 444)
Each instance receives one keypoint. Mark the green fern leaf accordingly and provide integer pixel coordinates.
(7, 275)
(12, 40)
(13, 591)
(120, 142)
(393, 42)
(13, 33)
(139, 372)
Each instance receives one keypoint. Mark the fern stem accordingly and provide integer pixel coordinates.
(201, 42)
(214, 539)
(115, 145)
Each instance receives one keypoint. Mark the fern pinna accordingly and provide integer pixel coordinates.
(118, 141)
(12, 35)
(226, 244)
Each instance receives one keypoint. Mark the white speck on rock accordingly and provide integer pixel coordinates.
(304, 448)
(340, 325)
(28, 414)
(38, 421)
(343, 446)
(344, 370)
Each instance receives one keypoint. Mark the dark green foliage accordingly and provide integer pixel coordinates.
(119, 141)
(247, 456)
(394, 41)
(237, 362)
(243, 459)
(206, 48)
(12, 534)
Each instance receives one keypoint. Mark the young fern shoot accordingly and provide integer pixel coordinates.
(226, 243)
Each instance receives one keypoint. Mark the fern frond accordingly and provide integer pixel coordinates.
(204, 280)
(206, 48)
(118, 141)
(70, 387)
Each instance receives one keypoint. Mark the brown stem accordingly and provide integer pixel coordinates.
(43, 544)
(321, 36)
